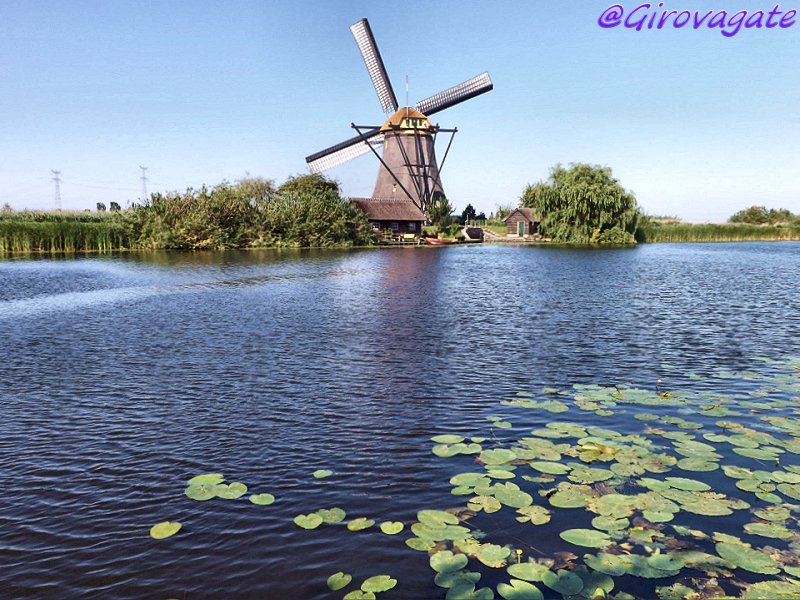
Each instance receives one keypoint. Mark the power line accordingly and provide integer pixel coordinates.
(57, 179)
(144, 183)
(98, 187)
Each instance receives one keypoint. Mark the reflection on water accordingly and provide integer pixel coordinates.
(122, 376)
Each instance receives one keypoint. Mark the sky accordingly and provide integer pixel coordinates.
(697, 124)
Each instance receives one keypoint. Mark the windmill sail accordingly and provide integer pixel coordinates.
(372, 58)
(344, 151)
(458, 93)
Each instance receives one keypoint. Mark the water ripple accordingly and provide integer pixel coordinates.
(121, 378)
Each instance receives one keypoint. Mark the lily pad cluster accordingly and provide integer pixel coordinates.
(700, 489)
(635, 487)
(324, 515)
(212, 485)
(368, 589)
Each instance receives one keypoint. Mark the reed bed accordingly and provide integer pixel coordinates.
(717, 232)
(62, 232)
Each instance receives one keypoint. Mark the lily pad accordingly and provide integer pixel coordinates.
(437, 518)
(569, 498)
(610, 564)
(164, 529)
(551, 468)
(536, 515)
(529, 571)
(611, 523)
(469, 479)
(378, 583)
(697, 464)
(447, 562)
(262, 499)
(496, 473)
(201, 491)
(564, 582)
(360, 524)
(447, 439)
(511, 495)
(208, 478)
(497, 456)
(487, 504)
(423, 545)
(339, 580)
(589, 538)
(231, 492)
(770, 530)
(445, 450)
(792, 490)
(583, 474)
(332, 515)
(391, 527)
(310, 521)
(493, 555)
(449, 579)
(322, 473)
(746, 558)
(359, 595)
(691, 485)
(519, 590)
(777, 590)
(777, 514)
(665, 562)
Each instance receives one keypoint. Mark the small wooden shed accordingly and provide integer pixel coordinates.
(522, 222)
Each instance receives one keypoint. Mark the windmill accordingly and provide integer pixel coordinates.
(408, 168)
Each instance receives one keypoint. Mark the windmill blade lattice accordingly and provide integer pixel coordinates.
(372, 58)
(470, 88)
(344, 151)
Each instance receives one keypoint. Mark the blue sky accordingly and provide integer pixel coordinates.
(697, 124)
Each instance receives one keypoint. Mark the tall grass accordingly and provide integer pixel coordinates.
(30, 231)
(713, 232)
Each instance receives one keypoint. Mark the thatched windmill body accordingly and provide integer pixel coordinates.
(408, 166)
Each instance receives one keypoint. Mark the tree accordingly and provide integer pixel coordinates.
(439, 211)
(114, 207)
(759, 215)
(468, 214)
(257, 189)
(7, 208)
(584, 204)
(312, 183)
(502, 211)
(101, 207)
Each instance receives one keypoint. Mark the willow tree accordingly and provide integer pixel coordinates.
(584, 204)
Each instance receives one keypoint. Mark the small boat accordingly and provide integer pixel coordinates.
(439, 241)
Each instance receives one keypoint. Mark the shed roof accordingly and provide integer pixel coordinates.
(389, 209)
(525, 212)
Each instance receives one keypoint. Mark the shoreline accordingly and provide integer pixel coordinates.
(496, 242)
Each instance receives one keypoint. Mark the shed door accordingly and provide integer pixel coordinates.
(521, 228)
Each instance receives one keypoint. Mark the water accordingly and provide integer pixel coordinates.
(123, 376)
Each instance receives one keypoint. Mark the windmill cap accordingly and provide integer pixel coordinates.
(406, 118)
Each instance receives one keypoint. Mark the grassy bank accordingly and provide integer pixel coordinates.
(716, 232)
(30, 231)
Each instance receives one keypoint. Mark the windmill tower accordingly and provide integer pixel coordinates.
(408, 166)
